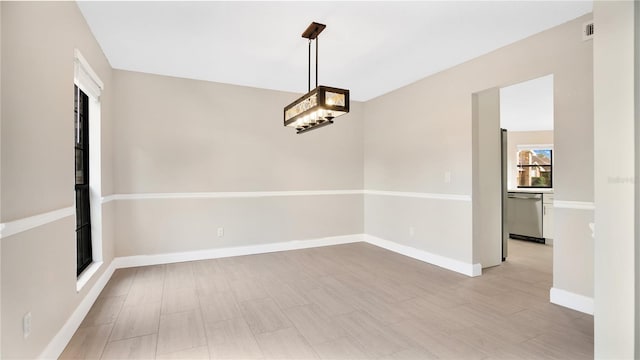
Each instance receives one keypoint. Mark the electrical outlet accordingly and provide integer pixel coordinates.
(412, 231)
(220, 232)
(26, 325)
(447, 177)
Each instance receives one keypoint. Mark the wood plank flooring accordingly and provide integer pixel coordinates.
(354, 301)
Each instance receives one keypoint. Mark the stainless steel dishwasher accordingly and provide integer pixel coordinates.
(524, 216)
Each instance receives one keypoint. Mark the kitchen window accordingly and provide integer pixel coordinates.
(535, 167)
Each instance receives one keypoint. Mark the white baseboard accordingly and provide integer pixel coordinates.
(59, 342)
(143, 260)
(438, 260)
(571, 300)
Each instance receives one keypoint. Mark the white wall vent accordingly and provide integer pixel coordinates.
(587, 31)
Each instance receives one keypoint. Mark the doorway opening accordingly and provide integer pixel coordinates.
(513, 149)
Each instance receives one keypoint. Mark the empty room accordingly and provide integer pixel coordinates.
(319, 180)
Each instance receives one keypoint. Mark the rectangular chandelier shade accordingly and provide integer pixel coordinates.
(316, 109)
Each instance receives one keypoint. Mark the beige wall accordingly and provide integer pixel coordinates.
(38, 276)
(391, 217)
(38, 43)
(37, 69)
(575, 240)
(182, 136)
(614, 179)
(0, 174)
(516, 138)
(147, 227)
(416, 134)
(487, 192)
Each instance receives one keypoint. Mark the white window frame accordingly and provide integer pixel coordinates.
(89, 82)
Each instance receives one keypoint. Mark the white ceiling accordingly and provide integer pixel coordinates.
(370, 48)
(527, 106)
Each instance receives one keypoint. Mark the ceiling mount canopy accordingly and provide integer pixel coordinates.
(318, 107)
(313, 30)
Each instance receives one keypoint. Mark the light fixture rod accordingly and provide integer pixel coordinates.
(309, 70)
(312, 33)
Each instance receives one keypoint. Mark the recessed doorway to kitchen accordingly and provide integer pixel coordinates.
(527, 115)
(513, 152)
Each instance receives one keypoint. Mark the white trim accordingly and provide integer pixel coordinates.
(85, 77)
(227, 194)
(580, 205)
(144, 260)
(61, 339)
(224, 195)
(17, 226)
(434, 259)
(82, 61)
(95, 177)
(571, 300)
(256, 194)
(420, 195)
(87, 274)
(108, 199)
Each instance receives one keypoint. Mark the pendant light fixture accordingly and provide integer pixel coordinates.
(318, 107)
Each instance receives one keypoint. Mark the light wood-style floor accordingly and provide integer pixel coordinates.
(352, 301)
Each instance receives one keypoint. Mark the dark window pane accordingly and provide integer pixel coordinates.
(83, 213)
(84, 255)
(80, 178)
(83, 248)
(78, 213)
(78, 130)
